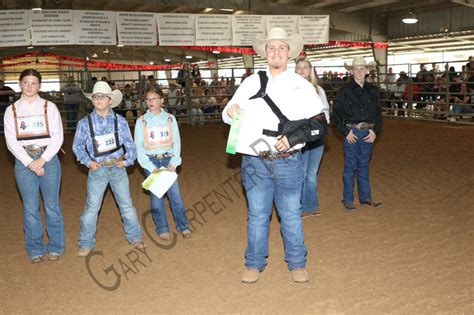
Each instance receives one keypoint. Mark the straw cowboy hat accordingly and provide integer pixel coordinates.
(102, 87)
(277, 33)
(356, 61)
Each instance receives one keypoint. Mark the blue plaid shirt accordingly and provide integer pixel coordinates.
(82, 145)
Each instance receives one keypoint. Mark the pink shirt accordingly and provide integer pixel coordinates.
(23, 108)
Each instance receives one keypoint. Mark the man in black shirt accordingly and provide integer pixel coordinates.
(358, 117)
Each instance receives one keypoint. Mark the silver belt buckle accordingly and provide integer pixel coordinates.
(108, 162)
(363, 125)
(33, 149)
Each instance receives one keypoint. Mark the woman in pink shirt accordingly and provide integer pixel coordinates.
(34, 135)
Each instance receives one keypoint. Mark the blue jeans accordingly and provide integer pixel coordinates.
(158, 210)
(97, 182)
(280, 181)
(30, 186)
(309, 196)
(356, 162)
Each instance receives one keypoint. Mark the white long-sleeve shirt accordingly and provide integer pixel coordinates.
(24, 108)
(295, 97)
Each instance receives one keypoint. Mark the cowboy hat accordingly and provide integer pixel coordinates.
(102, 87)
(356, 61)
(277, 33)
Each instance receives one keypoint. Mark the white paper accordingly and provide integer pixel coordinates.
(160, 182)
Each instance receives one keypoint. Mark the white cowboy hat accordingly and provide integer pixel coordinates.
(356, 61)
(277, 33)
(102, 87)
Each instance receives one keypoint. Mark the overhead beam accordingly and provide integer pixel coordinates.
(467, 3)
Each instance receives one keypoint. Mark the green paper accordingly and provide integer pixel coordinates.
(234, 133)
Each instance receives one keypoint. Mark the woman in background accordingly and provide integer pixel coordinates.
(313, 151)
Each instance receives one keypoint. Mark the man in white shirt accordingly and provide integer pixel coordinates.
(272, 168)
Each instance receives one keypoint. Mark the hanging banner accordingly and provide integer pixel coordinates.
(95, 28)
(52, 27)
(247, 27)
(136, 28)
(314, 29)
(213, 30)
(288, 22)
(14, 28)
(176, 29)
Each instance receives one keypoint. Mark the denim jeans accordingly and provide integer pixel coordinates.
(97, 182)
(30, 185)
(278, 181)
(309, 195)
(158, 210)
(356, 162)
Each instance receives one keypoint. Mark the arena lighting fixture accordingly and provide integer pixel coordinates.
(94, 55)
(119, 45)
(30, 47)
(167, 60)
(151, 63)
(189, 57)
(227, 10)
(105, 51)
(37, 4)
(216, 52)
(410, 18)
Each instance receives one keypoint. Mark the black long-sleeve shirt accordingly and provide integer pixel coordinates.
(355, 104)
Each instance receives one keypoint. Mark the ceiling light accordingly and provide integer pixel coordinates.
(87, 58)
(119, 45)
(37, 4)
(189, 57)
(410, 18)
(206, 10)
(30, 47)
(227, 10)
(216, 52)
(167, 60)
(151, 63)
(105, 51)
(94, 55)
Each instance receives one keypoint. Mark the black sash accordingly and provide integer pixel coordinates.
(263, 94)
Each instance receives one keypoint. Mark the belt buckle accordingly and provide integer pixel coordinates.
(268, 155)
(33, 149)
(108, 162)
(363, 125)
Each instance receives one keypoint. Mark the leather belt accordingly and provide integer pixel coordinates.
(161, 156)
(361, 126)
(273, 155)
(34, 149)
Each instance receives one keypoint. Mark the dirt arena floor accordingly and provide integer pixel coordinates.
(414, 256)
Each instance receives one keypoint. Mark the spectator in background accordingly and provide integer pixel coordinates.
(462, 100)
(7, 95)
(175, 99)
(183, 75)
(196, 74)
(209, 102)
(248, 73)
(73, 96)
(152, 82)
(398, 96)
